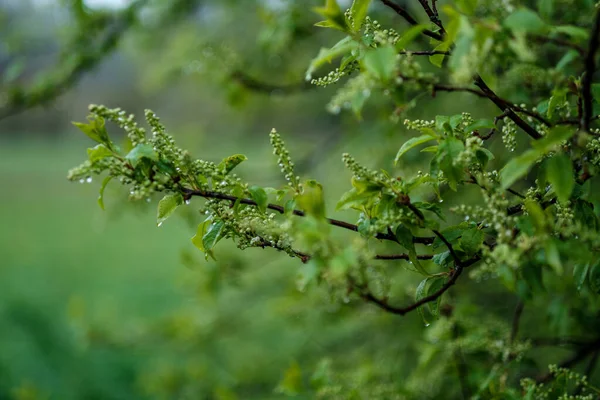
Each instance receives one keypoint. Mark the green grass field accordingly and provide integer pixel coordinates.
(98, 305)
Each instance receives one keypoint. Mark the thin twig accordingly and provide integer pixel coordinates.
(588, 76)
(263, 87)
(208, 194)
(506, 107)
(404, 14)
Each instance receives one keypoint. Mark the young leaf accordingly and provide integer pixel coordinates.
(95, 130)
(359, 12)
(259, 195)
(201, 231)
(229, 163)
(419, 294)
(561, 176)
(410, 143)
(98, 153)
(101, 194)
(381, 62)
(436, 284)
(553, 256)
(311, 201)
(409, 36)
(525, 20)
(141, 151)
(471, 240)
(212, 237)
(518, 167)
(344, 46)
(405, 238)
(166, 207)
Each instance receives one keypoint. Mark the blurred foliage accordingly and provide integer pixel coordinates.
(94, 305)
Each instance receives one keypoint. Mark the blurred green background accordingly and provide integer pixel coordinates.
(103, 304)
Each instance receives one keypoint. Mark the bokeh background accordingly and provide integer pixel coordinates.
(103, 304)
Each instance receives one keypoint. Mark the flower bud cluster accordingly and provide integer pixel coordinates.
(509, 134)
(352, 95)
(135, 133)
(329, 79)
(468, 156)
(419, 124)
(284, 161)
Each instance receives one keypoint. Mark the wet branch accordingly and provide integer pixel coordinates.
(207, 194)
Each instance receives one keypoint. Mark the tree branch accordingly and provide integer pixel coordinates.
(506, 107)
(404, 14)
(588, 76)
(22, 100)
(207, 194)
(262, 87)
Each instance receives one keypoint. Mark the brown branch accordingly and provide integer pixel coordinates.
(383, 304)
(402, 256)
(207, 194)
(506, 107)
(433, 16)
(588, 76)
(424, 52)
(262, 87)
(404, 14)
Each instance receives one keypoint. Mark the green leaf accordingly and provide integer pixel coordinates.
(343, 47)
(201, 231)
(98, 153)
(436, 284)
(466, 6)
(102, 188)
(311, 201)
(438, 59)
(410, 143)
(141, 151)
(574, 31)
(259, 195)
(381, 62)
(594, 278)
(580, 273)
(291, 384)
(229, 163)
(518, 167)
(334, 16)
(359, 12)
(405, 238)
(471, 240)
(409, 36)
(553, 256)
(560, 174)
(212, 236)
(525, 20)
(448, 152)
(536, 213)
(559, 96)
(480, 124)
(419, 294)
(166, 207)
(95, 130)
(567, 59)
